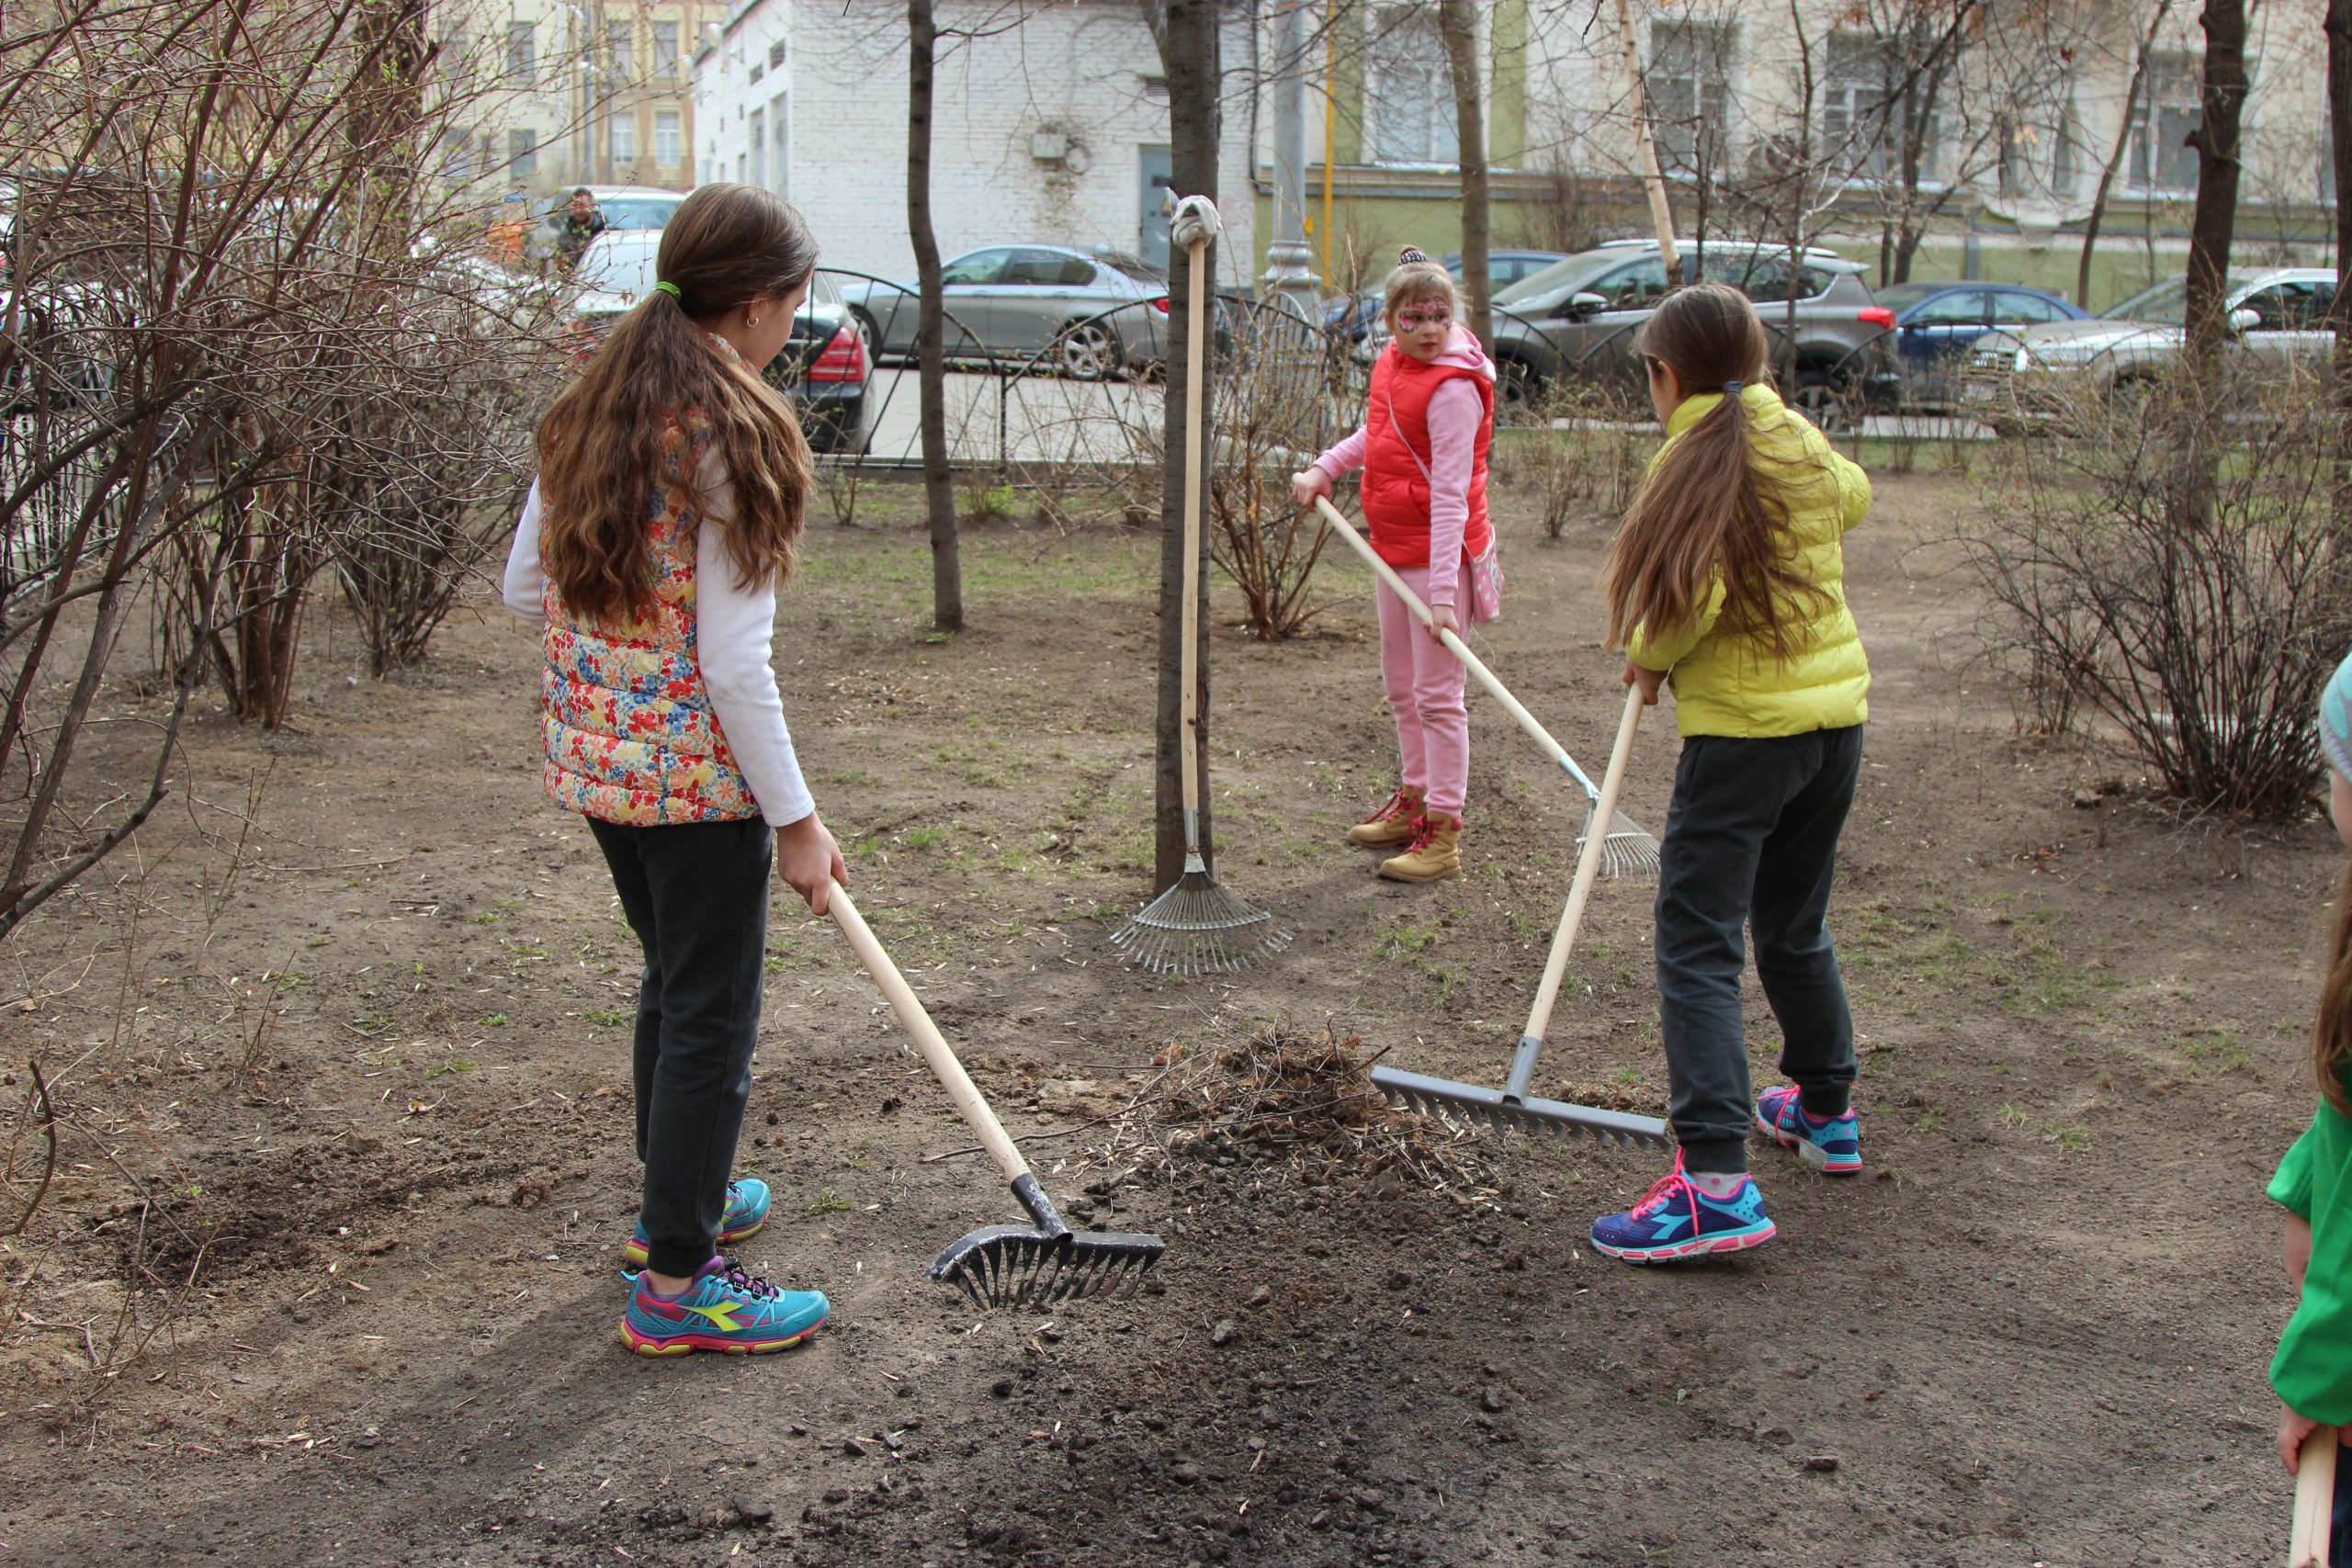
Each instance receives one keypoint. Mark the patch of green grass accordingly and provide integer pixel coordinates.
(2073, 1137)
(493, 1021)
(374, 1023)
(610, 1018)
(2010, 1114)
(322, 940)
(291, 980)
(924, 837)
(482, 919)
(455, 1065)
(827, 1201)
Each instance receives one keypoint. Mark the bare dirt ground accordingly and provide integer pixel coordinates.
(339, 1057)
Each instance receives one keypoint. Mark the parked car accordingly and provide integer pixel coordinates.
(1019, 304)
(823, 366)
(623, 207)
(1575, 319)
(1359, 317)
(1937, 324)
(2278, 318)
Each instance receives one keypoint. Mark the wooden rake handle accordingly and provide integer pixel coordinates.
(1454, 645)
(937, 1054)
(1195, 445)
(1555, 967)
(2314, 1500)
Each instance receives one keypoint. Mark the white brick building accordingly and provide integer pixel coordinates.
(1054, 131)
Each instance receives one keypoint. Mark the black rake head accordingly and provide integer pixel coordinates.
(1001, 1266)
(1005, 1266)
(1474, 1109)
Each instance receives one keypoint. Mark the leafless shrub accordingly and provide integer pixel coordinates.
(229, 355)
(1579, 451)
(2167, 562)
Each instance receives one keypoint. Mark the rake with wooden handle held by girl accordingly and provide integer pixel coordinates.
(1628, 851)
(2308, 1542)
(1512, 1108)
(1196, 927)
(999, 1265)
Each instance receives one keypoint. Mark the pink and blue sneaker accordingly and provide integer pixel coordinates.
(1675, 1220)
(747, 1211)
(1831, 1145)
(724, 1309)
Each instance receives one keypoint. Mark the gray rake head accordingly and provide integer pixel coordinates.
(1002, 1266)
(1473, 1109)
(1627, 854)
(1197, 928)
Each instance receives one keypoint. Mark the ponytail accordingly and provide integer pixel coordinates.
(1707, 514)
(2332, 1028)
(657, 390)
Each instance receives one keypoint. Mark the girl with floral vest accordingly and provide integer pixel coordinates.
(1428, 422)
(667, 513)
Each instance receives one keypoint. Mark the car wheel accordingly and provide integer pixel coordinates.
(868, 337)
(1518, 388)
(1088, 351)
(1825, 398)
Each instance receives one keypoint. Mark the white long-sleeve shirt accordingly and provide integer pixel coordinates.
(733, 629)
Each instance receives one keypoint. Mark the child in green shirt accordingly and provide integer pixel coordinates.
(2312, 1371)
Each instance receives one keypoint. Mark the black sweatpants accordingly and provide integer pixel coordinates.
(697, 895)
(1751, 838)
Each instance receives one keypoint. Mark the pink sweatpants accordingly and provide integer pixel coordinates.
(1425, 685)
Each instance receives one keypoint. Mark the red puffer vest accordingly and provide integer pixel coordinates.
(1396, 455)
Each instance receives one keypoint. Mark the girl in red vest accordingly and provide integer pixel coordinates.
(1428, 423)
(667, 513)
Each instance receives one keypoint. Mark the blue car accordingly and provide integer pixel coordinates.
(1935, 324)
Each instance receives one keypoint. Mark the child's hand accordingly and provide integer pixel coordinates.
(1649, 681)
(809, 861)
(1308, 483)
(1441, 620)
(2293, 1430)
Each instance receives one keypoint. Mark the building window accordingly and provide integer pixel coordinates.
(758, 71)
(2162, 117)
(519, 53)
(522, 153)
(1875, 104)
(780, 133)
(2066, 156)
(1412, 93)
(624, 139)
(457, 156)
(759, 148)
(456, 54)
(665, 49)
(668, 146)
(1688, 91)
(775, 55)
(742, 169)
(620, 49)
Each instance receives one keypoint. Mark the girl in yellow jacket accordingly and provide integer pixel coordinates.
(1727, 580)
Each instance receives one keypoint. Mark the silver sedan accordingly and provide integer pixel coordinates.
(1085, 314)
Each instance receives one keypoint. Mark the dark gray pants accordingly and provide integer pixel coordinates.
(697, 895)
(1751, 838)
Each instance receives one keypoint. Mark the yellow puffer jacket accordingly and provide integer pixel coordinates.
(1729, 685)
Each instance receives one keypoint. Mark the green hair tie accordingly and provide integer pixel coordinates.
(666, 286)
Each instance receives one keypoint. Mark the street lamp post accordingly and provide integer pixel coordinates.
(1290, 271)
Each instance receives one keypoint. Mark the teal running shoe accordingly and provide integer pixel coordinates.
(1832, 1146)
(1675, 1220)
(747, 1211)
(725, 1308)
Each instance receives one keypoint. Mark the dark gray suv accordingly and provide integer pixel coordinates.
(1575, 319)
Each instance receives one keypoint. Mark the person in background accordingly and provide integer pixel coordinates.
(581, 223)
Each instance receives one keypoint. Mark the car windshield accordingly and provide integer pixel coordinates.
(637, 211)
(2165, 303)
(1901, 297)
(618, 263)
(1565, 274)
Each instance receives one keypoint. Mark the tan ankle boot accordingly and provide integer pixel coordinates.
(1392, 825)
(1434, 853)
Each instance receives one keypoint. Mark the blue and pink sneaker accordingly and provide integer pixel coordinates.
(1832, 1146)
(725, 1308)
(1675, 1220)
(747, 1211)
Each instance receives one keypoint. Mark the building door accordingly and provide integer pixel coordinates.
(1159, 170)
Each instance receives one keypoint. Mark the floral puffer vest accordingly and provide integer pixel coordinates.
(631, 737)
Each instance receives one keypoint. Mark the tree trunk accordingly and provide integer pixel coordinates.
(2114, 164)
(1191, 61)
(2211, 230)
(2339, 136)
(930, 356)
(1646, 146)
(1458, 21)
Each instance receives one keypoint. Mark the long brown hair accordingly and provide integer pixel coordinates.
(2332, 1028)
(601, 445)
(1711, 509)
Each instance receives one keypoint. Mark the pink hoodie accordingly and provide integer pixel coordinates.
(1455, 414)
